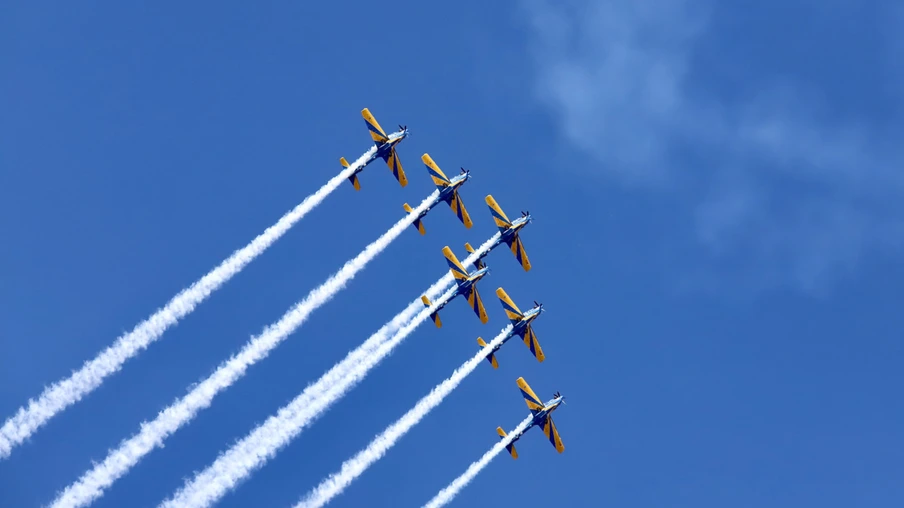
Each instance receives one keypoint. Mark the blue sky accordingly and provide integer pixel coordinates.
(718, 211)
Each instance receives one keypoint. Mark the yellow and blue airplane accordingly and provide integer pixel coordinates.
(386, 149)
(448, 192)
(467, 286)
(521, 322)
(542, 418)
(508, 230)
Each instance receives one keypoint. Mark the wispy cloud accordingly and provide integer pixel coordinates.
(780, 178)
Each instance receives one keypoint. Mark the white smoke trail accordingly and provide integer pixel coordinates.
(351, 469)
(66, 392)
(447, 494)
(91, 485)
(253, 451)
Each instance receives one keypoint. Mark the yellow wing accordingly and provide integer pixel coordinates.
(520, 255)
(376, 132)
(455, 267)
(533, 402)
(395, 165)
(477, 304)
(458, 208)
(530, 340)
(512, 312)
(549, 428)
(502, 222)
(439, 178)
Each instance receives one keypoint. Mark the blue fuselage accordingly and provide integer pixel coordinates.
(464, 287)
(445, 194)
(508, 236)
(540, 417)
(520, 328)
(384, 149)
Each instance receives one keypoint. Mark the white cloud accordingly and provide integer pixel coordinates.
(789, 188)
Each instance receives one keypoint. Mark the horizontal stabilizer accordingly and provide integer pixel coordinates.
(511, 446)
(478, 263)
(353, 178)
(434, 315)
(490, 357)
(418, 223)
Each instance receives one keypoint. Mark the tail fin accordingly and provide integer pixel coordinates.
(490, 357)
(434, 315)
(354, 178)
(417, 222)
(511, 446)
(478, 263)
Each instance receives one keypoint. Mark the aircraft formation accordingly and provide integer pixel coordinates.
(466, 282)
(248, 454)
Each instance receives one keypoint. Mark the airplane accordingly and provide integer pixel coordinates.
(467, 286)
(542, 417)
(521, 322)
(386, 149)
(448, 192)
(508, 233)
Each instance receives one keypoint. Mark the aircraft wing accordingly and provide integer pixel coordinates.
(455, 267)
(502, 222)
(439, 178)
(530, 340)
(530, 398)
(520, 255)
(376, 132)
(477, 304)
(512, 312)
(458, 208)
(549, 428)
(395, 165)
